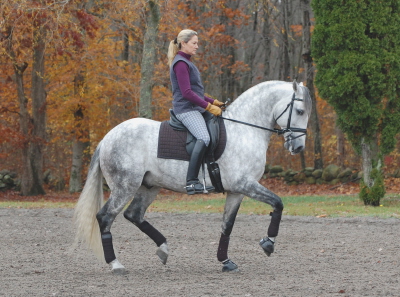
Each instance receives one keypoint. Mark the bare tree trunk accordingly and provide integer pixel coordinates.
(340, 147)
(75, 179)
(149, 59)
(125, 52)
(24, 116)
(36, 153)
(369, 152)
(302, 160)
(249, 53)
(228, 84)
(78, 146)
(373, 186)
(309, 69)
(24, 122)
(122, 111)
(285, 70)
(266, 32)
(80, 142)
(33, 128)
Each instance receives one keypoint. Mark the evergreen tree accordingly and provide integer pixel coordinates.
(356, 47)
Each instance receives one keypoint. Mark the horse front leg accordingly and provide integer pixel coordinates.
(258, 192)
(232, 204)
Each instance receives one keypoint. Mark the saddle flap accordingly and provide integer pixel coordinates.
(213, 127)
(175, 123)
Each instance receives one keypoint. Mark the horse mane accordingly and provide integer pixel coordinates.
(305, 91)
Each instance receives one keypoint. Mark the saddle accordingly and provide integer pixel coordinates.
(176, 142)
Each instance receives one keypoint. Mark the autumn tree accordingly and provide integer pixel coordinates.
(81, 26)
(149, 58)
(309, 74)
(23, 40)
(356, 47)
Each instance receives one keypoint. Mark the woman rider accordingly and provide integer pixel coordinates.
(189, 101)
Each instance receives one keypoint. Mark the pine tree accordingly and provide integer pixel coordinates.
(356, 47)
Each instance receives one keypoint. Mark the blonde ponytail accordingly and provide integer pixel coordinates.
(172, 51)
(175, 45)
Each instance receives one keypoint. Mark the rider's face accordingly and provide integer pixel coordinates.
(191, 46)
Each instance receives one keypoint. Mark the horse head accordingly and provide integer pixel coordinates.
(292, 115)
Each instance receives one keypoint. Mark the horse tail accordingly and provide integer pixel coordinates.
(88, 205)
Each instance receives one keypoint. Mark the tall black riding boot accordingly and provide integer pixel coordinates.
(193, 185)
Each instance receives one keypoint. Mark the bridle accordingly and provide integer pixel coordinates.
(288, 129)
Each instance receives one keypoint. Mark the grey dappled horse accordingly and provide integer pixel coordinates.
(127, 158)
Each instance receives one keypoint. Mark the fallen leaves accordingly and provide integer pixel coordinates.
(279, 187)
(276, 185)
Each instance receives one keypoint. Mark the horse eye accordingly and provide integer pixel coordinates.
(300, 111)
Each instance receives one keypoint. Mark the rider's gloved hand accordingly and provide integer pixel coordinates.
(218, 103)
(215, 110)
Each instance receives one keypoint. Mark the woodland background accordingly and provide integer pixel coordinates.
(72, 70)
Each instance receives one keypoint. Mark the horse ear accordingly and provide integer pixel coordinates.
(295, 85)
(301, 84)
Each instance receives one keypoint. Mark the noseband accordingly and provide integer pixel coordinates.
(288, 129)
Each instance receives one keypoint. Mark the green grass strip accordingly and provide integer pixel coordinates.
(319, 206)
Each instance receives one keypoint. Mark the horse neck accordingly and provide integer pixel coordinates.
(255, 106)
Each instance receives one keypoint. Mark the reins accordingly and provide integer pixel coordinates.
(278, 131)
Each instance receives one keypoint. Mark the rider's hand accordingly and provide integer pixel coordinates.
(218, 103)
(215, 110)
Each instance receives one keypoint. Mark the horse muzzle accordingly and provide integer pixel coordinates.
(294, 144)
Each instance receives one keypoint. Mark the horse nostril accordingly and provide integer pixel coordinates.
(298, 149)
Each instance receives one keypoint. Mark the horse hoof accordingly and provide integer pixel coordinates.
(267, 245)
(117, 268)
(162, 253)
(119, 271)
(229, 266)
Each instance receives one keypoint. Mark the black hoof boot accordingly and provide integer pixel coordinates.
(267, 245)
(229, 266)
(195, 187)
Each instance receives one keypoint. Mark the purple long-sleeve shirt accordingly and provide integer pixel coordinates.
(181, 70)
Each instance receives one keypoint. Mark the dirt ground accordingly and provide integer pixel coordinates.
(314, 257)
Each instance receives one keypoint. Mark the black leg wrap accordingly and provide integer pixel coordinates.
(152, 232)
(106, 239)
(222, 253)
(274, 225)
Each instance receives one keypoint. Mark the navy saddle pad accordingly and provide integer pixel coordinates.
(172, 143)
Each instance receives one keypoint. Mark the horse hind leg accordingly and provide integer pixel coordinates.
(135, 214)
(105, 217)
